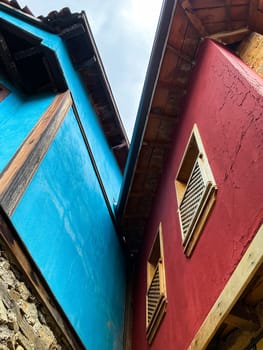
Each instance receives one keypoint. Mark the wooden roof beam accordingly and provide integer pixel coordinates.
(157, 143)
(27, 53)
(230, 37)
(180, 55)
(194, 19)
(228, 14)
(243, 317)
(6, 58)
(256, 15)
(164, 116)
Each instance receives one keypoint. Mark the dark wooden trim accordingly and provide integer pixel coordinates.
(14, 246)
(7, 60)
(20, 170)
(4, 92)
(193, 18)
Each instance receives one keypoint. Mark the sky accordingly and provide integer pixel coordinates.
(124, 31)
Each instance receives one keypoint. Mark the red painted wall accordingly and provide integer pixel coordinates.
(226, 101)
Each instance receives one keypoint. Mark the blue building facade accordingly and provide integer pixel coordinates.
(63, 150)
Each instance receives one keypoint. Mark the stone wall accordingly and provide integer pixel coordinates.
(251, 52)
(24, 322)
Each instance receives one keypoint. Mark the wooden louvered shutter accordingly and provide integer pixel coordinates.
(196, 193)
(156, 299)
(156, 295)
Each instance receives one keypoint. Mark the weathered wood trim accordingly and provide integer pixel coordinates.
(20, 170)
(14, 246)
(193, 18)
(4, 92)
(230, 36)
(243, 274)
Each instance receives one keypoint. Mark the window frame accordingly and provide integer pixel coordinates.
(194, 153)
(156, 267)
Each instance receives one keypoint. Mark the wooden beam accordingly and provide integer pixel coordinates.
(15, 248)
(156, 143)
(243, 274)
(228, 4)
(7, 60)
(72, 32)
(260, 5)
(194, 19)
(230, 37)
(180, 55)
(165, 117)
(18, 173)
(243, 317)
(255, 20)
(175, 85)
(19, 55)
(4, 92)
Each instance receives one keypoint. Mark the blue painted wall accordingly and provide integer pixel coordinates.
(18, 115)
(62, 217)
(108, 168)
(64, 222)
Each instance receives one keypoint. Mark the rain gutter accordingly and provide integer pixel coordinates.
(149, 87)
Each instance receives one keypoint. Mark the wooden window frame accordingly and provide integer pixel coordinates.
(194, 158)
(155, 272)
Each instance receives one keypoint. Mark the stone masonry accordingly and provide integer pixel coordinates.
(24, 322)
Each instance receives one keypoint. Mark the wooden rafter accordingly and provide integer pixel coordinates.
(164, 116)
(229, 37)
(243, 317)
(228, 14)
(7, 60)
(180, 54)
(19, 55)
(194, 19)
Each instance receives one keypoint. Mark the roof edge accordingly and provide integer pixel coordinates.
(150, 82)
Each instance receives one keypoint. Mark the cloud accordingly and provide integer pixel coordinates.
(141, 16)
(124, 32)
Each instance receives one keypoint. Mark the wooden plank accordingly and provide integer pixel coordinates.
(20, 255)
(211, 15)
(255, 292)
(194, 19)
(18, 173)
(255, 16)
(7, 61)
(243, 317)
(4, 92)
(229, 37)
(19, 55)
(180, 54)
(243, 274)
(228, 14)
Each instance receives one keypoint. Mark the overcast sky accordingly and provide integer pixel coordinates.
(124, 32)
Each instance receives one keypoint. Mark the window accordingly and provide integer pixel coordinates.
(195, 190)
(156, 299)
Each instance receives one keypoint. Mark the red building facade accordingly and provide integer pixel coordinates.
(227, 108)
(191, 208)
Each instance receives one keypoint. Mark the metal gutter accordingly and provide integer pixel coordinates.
(150, 83)
(104, 76)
